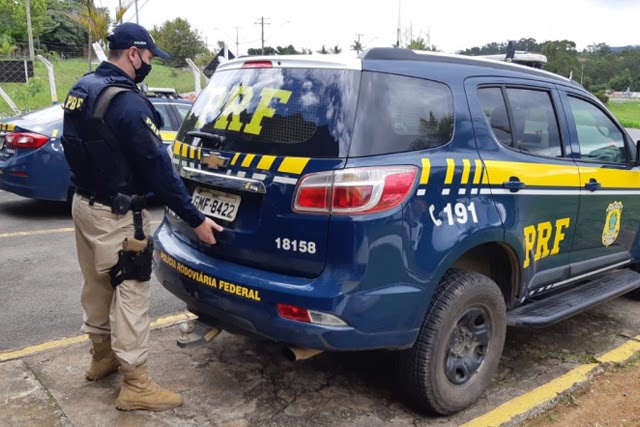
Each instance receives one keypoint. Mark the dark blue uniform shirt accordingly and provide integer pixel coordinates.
(134, 123)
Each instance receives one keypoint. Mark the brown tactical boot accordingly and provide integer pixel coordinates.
(140, 392)
(103, 360)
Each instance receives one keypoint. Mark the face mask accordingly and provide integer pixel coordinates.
(142, 72)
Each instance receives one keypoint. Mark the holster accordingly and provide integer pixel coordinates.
(135, 258)
(134, 261)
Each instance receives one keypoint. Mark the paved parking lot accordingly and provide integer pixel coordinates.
(237, 381)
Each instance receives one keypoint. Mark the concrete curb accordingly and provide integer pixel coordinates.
(163, 322)
(540, 399)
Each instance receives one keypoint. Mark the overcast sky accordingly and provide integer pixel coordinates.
(451, 25)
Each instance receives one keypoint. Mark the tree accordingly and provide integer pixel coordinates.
(323, 51)
(562, 57)
(60, 33)
(335, 50)
(13, 19)
(357, 46)
(6, 46)
(179, 41)
(419, 44)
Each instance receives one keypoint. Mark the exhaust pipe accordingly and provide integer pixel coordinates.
(296, 353)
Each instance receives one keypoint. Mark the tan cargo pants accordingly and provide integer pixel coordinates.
(122, 312)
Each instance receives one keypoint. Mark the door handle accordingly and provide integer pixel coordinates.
(514, 184)
(593, 185)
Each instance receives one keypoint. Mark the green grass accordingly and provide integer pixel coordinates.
(37, 94)
(627, 112)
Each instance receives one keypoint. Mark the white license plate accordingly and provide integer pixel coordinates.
(216, 203)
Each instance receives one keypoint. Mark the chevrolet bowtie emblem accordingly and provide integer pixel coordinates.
(214, 160)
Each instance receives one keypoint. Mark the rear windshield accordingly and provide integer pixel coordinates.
(279, 111)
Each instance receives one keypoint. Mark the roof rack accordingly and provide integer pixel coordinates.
(159, 92)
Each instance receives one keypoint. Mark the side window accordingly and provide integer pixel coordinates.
(598, 137)
(400, 113)
(183, 109)
(168, 124)
(522, 119)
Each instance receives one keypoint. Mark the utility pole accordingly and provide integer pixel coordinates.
(137, 21)
(32, 54)
(262, 25)
(398, 33)
(237, 43)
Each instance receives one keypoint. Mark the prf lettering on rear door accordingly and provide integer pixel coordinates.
(537, 239)
(239, 99)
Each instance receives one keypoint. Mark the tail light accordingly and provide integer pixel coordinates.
(299, 314)
(354, 191)
(25, 140)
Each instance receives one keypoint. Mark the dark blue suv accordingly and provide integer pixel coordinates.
(401, 200)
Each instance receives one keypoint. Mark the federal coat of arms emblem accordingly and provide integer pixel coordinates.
(612, 223)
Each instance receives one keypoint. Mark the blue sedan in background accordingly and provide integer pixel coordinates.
(32, 162)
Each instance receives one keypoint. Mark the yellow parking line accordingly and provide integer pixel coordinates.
(35, 232)
(551, 390)
(65, 342)
(49, 231)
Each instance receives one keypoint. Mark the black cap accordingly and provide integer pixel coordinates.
(129, 34)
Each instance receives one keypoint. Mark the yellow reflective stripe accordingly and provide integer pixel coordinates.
(293, 165)
(54, 133)
(192, 152)
(610, 177)
(185, 150)
(552, 175)
(7, 126)
(176, 148)
(426, 170)
(477, 176)
(266, 162)
(235, 159)
(466, 170)
(247, 160)
(451, 168)
(199, 153)
(168, 135)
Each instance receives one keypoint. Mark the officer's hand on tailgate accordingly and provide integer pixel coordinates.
(205, 231)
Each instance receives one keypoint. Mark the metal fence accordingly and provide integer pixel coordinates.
(27, 85)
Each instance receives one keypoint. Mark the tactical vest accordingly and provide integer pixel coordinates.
(93, 152)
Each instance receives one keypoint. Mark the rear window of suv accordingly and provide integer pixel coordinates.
(400, 113)
(278, 111)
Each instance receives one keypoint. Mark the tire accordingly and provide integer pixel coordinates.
(459, 345)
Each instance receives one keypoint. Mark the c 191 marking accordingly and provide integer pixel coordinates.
(454, 213)
(302, 246)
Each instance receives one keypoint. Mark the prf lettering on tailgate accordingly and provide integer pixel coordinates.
(538, 237)
(239, 99)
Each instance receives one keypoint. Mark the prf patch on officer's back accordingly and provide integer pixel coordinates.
(149, 122)
(74, 102)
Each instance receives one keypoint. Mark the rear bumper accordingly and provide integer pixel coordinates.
(44, 181)
(242, 299)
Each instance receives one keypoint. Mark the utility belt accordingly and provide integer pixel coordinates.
(134, 259)
(120, 204)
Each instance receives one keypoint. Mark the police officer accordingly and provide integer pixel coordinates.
(113, 147)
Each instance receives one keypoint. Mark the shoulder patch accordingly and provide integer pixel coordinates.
(74, 102)
(151, 125)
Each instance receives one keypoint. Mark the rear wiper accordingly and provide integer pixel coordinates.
(217, 139)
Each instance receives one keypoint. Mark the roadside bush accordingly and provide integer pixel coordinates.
(602, 97)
